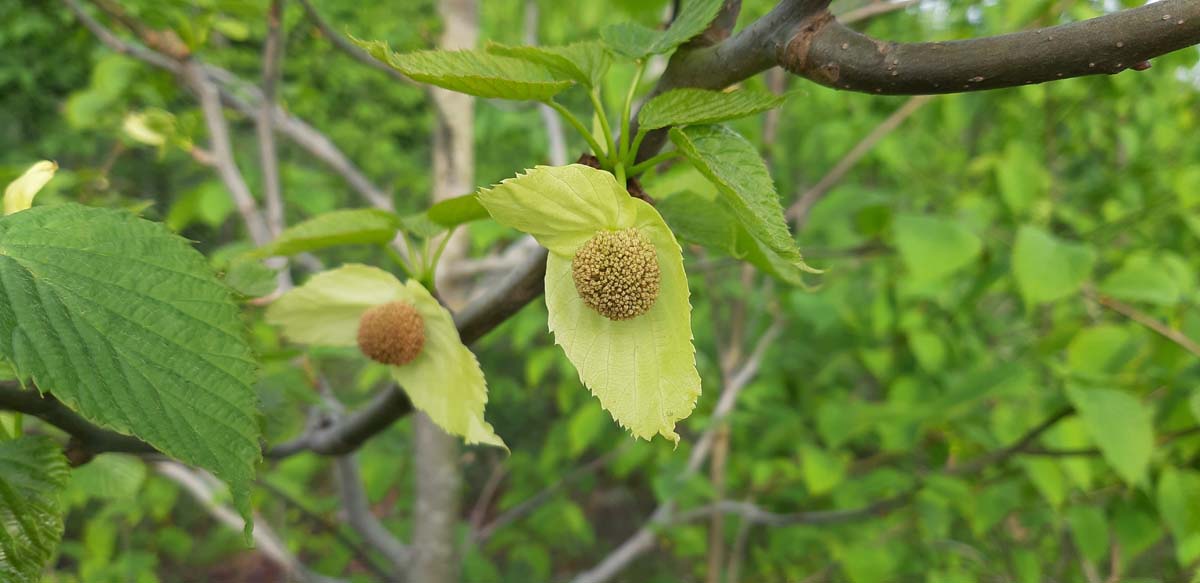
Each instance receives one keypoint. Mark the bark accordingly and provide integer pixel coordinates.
(439, 478)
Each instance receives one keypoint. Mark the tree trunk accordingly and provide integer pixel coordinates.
(439, 479)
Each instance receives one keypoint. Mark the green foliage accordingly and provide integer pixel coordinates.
(1048, 268)
(638, 42)
(343, 227)
(734, 166)
(933, 247)
(172, 366)
(1121, 426)
(584, 62)
(33, 473)
(682, 107)
(477, 73)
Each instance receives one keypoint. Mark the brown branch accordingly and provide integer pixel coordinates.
(827, 52)
(799, 210)
(1179, 338)
(264, 126)
(89, 438)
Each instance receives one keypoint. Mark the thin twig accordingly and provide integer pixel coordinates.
(874, 9)
(264, 126)
(1179, 338)
(338, 40)
(800, 209)
(362, 520)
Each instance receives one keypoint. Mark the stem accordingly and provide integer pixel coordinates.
(610, 146)
(399, 259)
(578, 125)
(652, 162)
(637, 144)
(437, 254)
(627, 110)
(619, 170)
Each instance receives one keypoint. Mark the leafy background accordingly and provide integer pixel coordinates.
(974, 258)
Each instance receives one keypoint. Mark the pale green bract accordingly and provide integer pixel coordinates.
(124, 322)
(680, 107)
(477, 73)
(444, 381)
(18, 195)
(33, 473)
(643, 370)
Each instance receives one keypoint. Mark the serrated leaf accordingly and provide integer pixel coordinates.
(444, 380)
(703, 221)
(642, 369)
(638, 42)
(680, 107)
(477, 73)
(124, 322)
(1121, 426)
(18, 195)
(733, 164)
(1048, 268)
(583, 62)
(344, 227)
(933, 247)
(458, 210)
(33, 473)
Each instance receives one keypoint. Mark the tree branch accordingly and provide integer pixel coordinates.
(90, 438)
(339, 41)
(264, 126)
(359, 515)
(827, 52)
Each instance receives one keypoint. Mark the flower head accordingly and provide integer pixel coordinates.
(400, 325)
(616, 291)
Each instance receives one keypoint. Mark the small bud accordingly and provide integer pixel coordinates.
(616, 274)
(392, 333)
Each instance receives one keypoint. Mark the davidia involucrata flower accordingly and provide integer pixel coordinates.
(615, 289)
(400, 325)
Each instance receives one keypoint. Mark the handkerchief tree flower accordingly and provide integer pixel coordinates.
(400, 325)
(615, 289)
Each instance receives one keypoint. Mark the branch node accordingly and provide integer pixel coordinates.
(794, 56)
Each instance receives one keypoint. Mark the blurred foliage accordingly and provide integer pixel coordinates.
(958, 311)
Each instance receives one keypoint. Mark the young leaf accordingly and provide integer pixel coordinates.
(458, 210)
(124, 322)
(704, 221)
(343, 227)
(583, 62)
(638, 42)
(642, 368)
(732, 163)
(1048, 268)
(444, 380)
(33, 473)
(681, 107)
(933, 247)
(477, 73)
(1121, 426)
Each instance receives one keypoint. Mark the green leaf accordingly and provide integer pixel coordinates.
(584, 62)
(125, 323)
(933, 247)
(1142, 280)
(477, 73)
(458, 210)
(681, 107)
(1121, 426)
(33, 473)
(344, 227)
(109, 476)
(1099, 350)
(732, 163)
(643, 369)
(702, 220)
(1178, 492)
(1048, 268)
(444, 381)
(638, 42)
(823, 471)
(1089, 528)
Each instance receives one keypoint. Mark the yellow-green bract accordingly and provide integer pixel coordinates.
(444, 381)
(643, 370)
(19, 194)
